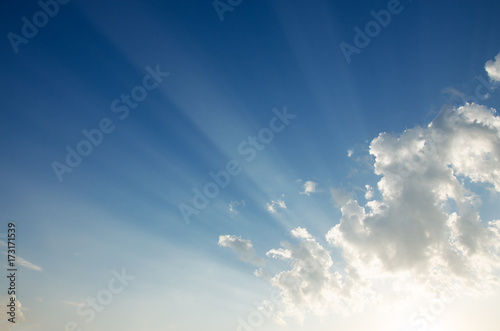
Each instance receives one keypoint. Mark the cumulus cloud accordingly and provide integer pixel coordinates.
(242, 247)
(427, 223)
(274, 204)
(311, 284)
(422, 234)
(492, 67)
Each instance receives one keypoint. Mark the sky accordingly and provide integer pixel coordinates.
(250, 165)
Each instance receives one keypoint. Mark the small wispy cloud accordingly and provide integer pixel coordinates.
(274, 204)
(409, 235)
(242, 247)
(25, 263)
(310, 187)
(233, 206)
(28, 264)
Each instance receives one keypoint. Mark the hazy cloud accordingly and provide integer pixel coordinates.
(233, 205)
(309, 187)
(242, 247)
(340, 196)
(27, 264)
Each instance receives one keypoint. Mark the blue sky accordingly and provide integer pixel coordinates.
(227, 81)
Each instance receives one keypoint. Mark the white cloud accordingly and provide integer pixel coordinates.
(280, 253)
(427, 223)
(27, 264)
(242, 247)
(424, 234)
(309, 187)
(369, 192)
(274, 204)
(310, 284)
(350, 152)
(492, 67)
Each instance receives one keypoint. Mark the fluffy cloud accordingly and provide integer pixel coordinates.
(426, 226)
(309, 187)
(242, 247)
(233, 206)
(423, 234)
(310, 284)
(492, 67)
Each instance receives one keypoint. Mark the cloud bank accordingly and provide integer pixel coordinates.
(423, 233)
(426, 224)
